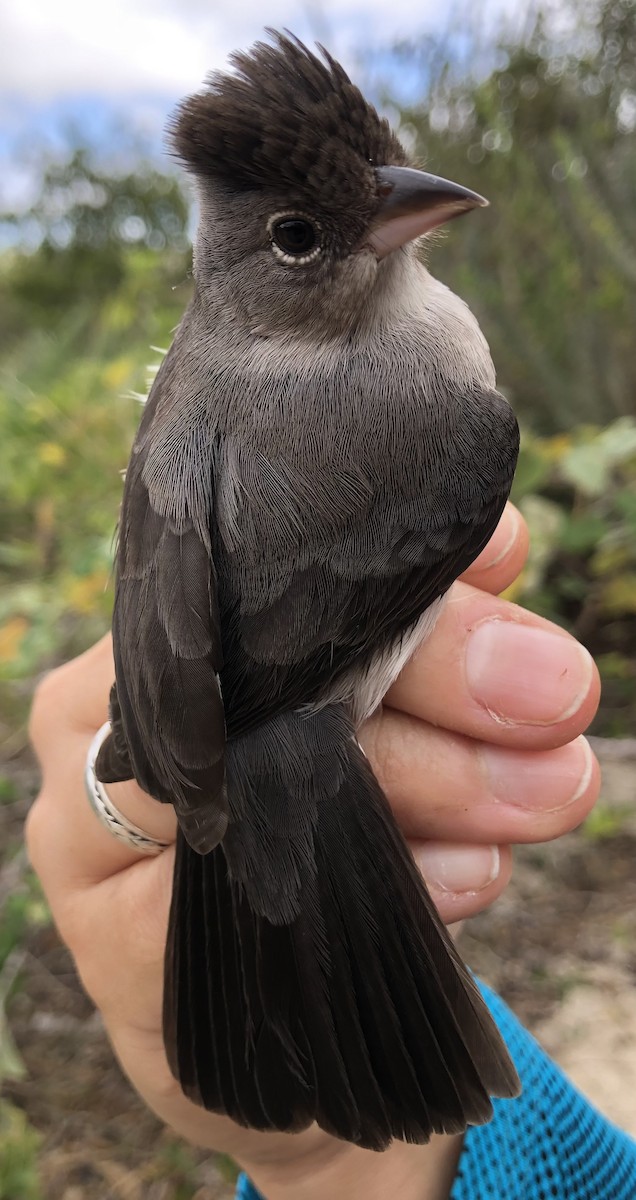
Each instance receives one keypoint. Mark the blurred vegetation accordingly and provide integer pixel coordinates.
(549, 137)
(549, 134)
(21, 909)
(97, 276)
(19, 1144)
(84, 316)
(577, 492)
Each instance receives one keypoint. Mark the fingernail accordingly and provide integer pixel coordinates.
(452, 868)
(525, 675)
(543, 781)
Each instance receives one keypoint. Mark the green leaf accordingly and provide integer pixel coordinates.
(582, 533)
(619, 594)
(606, 821)
(587, 469)
(19, 1145)
(615, 666)
(11, 1064)
(625, 503)
(618, 441)
(533, 470)
(545, 520)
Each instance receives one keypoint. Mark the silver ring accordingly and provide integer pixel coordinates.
(110, 816)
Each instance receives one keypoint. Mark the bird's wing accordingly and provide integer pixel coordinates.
(330, 566)
(168, 727)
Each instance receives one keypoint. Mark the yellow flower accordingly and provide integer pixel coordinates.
(11, 635)
(84, 593)
(52, 454)
(116, 373)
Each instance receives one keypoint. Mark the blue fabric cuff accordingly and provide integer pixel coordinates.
(549, 1144)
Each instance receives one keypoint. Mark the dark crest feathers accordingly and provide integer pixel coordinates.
(284, 120)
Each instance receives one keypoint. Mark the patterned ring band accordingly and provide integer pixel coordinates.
(110, 816)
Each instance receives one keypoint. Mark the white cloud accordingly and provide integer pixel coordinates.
(126, 47)
(136, 58)
(52, 50)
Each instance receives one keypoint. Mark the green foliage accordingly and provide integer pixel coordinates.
(108, 280)
(23, 911)
(19, 1144)
(550, 271)
(8, 790)
(84, 223)
(71, 378)
(550, 138)
(176, 1161)
(578, 494)
(606, 821)
(227, 1167)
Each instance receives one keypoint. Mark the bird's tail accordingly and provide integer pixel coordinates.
(308, 975)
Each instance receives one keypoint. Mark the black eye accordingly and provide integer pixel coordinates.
(295, 236)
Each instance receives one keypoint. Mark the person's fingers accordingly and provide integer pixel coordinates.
(445, 786)
(75, 698)
(116, 929)
(502, 560)
(493, 671)
(73, 702)
(462, 878)
(78, 693)
(69, 706)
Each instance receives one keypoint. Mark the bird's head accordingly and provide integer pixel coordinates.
(305, 192)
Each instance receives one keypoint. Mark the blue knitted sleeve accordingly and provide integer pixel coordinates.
(550, 1144)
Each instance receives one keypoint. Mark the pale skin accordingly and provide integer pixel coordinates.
(478, 746)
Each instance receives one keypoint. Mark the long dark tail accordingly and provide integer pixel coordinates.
(308, 975)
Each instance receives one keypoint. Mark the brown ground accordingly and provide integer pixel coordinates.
(560, 946)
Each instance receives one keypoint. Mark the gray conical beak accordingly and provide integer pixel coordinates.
(413, 203)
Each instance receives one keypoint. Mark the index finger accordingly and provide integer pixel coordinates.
(503, 558)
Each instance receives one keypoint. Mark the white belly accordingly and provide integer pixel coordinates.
(365, 691)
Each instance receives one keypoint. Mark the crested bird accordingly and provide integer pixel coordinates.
(322, 453)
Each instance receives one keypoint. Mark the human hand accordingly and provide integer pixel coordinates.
(477, 747)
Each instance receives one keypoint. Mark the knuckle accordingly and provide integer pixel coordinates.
(45, 706)
(147, 906)
(90, 970)
(35, 832)
(66, 904)
(74, 924)
(381, 746)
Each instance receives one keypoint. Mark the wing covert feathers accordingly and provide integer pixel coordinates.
(167, 714)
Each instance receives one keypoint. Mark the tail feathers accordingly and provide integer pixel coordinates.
(356, 1013)
(436, 1036)
(224, 972)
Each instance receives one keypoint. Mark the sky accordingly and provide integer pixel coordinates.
(127, 62)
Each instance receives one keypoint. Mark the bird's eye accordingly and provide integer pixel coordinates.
(294, 239)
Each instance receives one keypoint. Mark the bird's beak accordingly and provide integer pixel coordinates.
(413, 203)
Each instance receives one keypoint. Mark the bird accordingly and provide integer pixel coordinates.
(322, 453)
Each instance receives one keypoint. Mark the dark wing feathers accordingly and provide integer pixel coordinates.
(299, 567)
(167, 708)
(338, 596)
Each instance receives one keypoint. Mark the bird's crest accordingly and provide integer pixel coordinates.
(286, 120)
